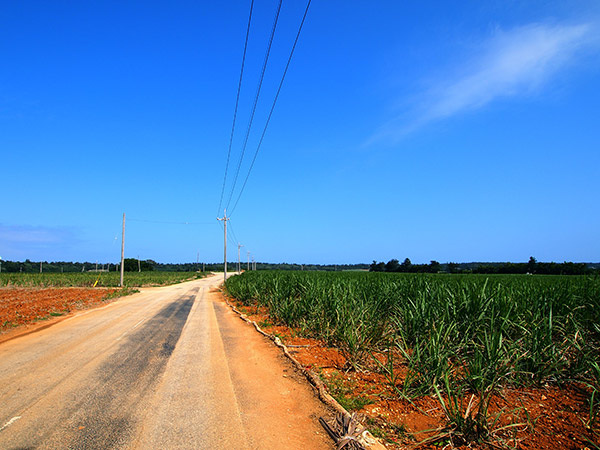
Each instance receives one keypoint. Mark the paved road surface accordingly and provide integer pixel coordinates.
(168, 368)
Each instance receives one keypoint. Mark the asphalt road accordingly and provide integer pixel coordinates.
(168, 368)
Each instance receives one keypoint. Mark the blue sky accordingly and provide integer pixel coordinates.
(434, 130)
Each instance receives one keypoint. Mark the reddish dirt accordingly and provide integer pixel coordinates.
(536, 418)
(33, 307)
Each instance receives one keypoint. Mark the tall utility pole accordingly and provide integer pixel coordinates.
(139, 265)
(224, 219)
(122, 252)
(239, 264)
(40, 267)
(248, 267)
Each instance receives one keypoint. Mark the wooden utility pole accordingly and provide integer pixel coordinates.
(248, 266)
(224, 219)
(122, 252)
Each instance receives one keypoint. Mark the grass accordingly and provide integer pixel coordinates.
(265, 324)
(460, 337)
(594, 400)
(388, 432)
(341, 389)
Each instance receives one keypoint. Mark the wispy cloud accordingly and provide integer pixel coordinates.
(23, 241)
(31, 235)
(510, 63)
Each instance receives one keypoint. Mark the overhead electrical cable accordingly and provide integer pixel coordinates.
(262, 76)
(168, 222)
(230, 239)
(237, 102)
(233, 233)
(272, 108)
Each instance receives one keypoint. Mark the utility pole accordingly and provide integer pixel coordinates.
(248, 267)
(224, 219)
(139, 265)
(239, 264)
(122, 252)
(40, 267)
(198, 261)
(0, 264)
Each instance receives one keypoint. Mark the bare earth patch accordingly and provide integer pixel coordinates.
(33, 307)
(547, 417)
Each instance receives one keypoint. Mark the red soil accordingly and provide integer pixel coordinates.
(26, 306)
(547, 417)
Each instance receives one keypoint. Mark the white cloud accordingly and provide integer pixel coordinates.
(511, 63)
(26, 241)
(29, 234)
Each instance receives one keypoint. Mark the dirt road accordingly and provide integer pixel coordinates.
(168, 368)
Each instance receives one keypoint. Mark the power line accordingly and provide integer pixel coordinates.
(169, 222)
(233, 233)
(272, 108)
(262, 75)
(229, 237)
(237, 101)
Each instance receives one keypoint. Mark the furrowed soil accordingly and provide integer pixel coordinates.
(25, 309)
(547, 417)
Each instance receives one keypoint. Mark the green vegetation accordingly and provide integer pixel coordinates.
(100, 279)
(531, 267)
(460, 337)
(131, 265)
(341, 390)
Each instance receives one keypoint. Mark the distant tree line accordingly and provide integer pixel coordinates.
(232, 266)
(132, 265)
(27, 266)
(535, 267)
(531, 267)
(393, 265)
